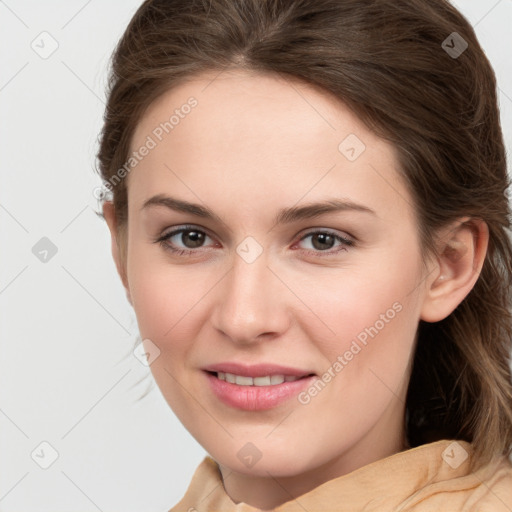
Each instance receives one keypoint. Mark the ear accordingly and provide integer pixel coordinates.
(110, 216)
(462, 248)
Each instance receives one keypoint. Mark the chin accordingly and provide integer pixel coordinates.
(248, 459)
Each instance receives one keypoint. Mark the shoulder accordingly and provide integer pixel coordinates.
(494, 488)
(444, 478)
(486, 489)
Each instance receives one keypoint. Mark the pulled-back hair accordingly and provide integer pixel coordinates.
(390, 62)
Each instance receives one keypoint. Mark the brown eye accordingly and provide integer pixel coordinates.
(323, 241)
(192, 239)
(183, 240)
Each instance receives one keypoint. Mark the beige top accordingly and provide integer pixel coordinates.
(431, 477)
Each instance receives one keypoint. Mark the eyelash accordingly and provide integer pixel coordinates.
(162, 240)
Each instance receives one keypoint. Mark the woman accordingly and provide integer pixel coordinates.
(308, 209)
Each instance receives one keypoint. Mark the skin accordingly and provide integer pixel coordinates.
(293, 305)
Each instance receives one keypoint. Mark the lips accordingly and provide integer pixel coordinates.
(256, 387)
(257, 370)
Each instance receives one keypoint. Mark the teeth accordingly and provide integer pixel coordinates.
(279, 379)
(269, 380)
(243, 381)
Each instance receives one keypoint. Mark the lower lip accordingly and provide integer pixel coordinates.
(256, 398)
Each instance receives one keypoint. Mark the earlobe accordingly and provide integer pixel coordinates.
(110, 218)
(462, 249)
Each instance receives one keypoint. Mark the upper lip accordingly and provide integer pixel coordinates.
(256, 370)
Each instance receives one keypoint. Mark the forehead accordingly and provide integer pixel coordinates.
(246, 107)
(261, 133)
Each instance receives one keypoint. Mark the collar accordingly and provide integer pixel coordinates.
(397, 481)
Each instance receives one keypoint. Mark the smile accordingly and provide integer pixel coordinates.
(256, 393)
(268, 380)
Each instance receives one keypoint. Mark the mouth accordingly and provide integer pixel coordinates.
(263, 391)
(265, 380)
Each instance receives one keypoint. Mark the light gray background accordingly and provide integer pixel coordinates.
(67, 375)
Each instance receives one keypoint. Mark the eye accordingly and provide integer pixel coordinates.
(190, 237)
(323, 241)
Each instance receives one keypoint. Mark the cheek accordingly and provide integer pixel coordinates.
(162, 294)
(163, 311)
(372, 320)
(357, 303)
(165, 301)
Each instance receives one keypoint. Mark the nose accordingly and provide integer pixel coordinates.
(251, 303)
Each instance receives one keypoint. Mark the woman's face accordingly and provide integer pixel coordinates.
(265, 285)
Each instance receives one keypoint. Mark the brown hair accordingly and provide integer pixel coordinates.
(388, 60)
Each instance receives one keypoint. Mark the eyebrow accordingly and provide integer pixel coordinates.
(284, 216)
